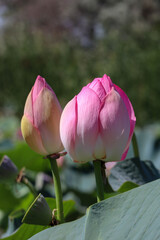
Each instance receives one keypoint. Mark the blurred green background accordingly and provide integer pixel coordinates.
(71, 42)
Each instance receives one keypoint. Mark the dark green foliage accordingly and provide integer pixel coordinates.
(132, 61)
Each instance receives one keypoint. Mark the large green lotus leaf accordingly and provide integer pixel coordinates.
(133, 215)
(25, 232)
(68, 231)
(23, 156)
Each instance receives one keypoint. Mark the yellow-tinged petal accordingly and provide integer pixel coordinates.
(32, 136)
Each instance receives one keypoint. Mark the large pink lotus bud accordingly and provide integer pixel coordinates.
(40, 122)
(98, 123)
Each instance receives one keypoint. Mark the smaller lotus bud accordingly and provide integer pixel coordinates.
(40, 122)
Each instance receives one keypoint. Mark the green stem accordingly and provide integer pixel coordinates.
(58, 191)
(30, 186)
(135, 145)
(107, 186)
(99, 180)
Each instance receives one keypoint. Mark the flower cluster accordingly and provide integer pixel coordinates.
(98, 123)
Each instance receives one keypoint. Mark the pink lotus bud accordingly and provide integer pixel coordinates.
(40, 122)
(98, 123)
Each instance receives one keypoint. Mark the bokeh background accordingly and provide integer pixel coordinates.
(71, 42)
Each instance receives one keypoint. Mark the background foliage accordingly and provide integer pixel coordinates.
(131, 61)
(86, 41)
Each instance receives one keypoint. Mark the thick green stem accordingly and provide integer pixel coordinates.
(30, 186)
(99, 180)
(135, 145)
(58, 191)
